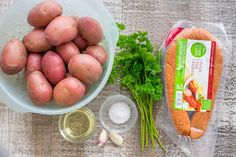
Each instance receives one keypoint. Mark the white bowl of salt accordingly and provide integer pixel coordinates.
(118, 114)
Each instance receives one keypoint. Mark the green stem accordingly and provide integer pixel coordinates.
(142, 133)
(152, 138)
(146, 125)
(146, 137)
(152, 119)
(147, 122)
(161, 145)
(142, 119)
(151, 124)
(146, 116)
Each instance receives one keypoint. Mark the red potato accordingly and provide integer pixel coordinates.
(90, 29)
(67, 51)
(13, 57)
(76, 18)
(53, 67)
(85, 68)
(39, 89)
(43, 13)
(87, 87)
(61, 30)
(80, 42)
(69, 91)
(98, 52)
(36, 42)
(34, 63)
(68, 75)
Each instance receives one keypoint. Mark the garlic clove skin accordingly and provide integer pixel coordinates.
(116, 139)
(102, 138)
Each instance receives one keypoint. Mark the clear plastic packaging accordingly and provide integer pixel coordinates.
(205, 145)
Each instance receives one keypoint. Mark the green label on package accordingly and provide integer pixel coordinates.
(194, 73)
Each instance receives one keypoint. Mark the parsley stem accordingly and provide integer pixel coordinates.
(146, 138)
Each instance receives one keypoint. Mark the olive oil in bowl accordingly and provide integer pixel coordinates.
(77, 126)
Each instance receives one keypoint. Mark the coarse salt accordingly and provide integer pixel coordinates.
(119, 113)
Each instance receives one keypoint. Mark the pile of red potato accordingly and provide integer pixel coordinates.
(61, 56)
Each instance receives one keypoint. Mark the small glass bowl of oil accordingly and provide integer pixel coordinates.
(77, 126)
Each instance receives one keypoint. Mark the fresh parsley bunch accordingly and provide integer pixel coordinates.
(138, 68)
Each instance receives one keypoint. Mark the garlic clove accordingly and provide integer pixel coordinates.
(116, 139)
(102, 138)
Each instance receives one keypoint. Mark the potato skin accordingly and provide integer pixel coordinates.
(76, 18)
(43, 13)
(98, 52)
(53, 67)
(87, 87)
(34, 63)
(36, 42)
(61, 30)
(90, 29)
(68, 75)
(68, 91)
(13, 57)
(67, 51)
(85, 68)
(39, 89)
(80, 42)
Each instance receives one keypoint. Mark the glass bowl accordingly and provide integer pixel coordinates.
(77, 126)
(108, 124)
(13, 24)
